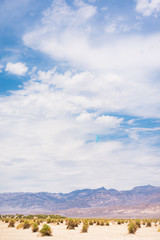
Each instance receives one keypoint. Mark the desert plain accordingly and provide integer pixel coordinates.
(59, 232)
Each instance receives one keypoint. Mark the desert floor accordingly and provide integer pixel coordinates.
(59, 232)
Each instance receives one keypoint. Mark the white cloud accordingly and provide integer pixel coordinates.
(69, 35)
(49, 128)
(18, 68)
(148, 7)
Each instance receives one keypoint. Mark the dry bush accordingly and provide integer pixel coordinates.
(138, 223)
(71, 224)
(11, 223)
(20, 225)
(6, 220)
(132, 227)
(46, 230)
(149, 224)
(107, 223)
(35, 227)
(26, 224)
(85, 227)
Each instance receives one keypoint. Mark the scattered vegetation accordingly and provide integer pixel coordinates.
(33, 221)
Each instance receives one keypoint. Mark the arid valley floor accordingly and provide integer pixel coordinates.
(59, 232)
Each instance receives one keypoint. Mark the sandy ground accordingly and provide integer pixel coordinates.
(113, 232)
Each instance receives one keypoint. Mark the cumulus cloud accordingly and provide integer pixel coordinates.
(69, 34)
(18, 68)
(49, 128)
(148, 7)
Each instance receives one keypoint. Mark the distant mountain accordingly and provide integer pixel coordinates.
(77, 203)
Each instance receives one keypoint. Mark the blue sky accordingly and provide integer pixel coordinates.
(79, 94)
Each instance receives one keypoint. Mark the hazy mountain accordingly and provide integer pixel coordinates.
(79, 202)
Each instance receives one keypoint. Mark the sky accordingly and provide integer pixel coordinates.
(79, 94)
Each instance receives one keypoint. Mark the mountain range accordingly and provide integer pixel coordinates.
(143, 201)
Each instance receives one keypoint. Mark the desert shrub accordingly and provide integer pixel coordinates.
(38, 222)
(90, 222)
(11, 223)
(35, 227)
(71, 224)
(158, 229)
(144, 222)
(98, 222)
(26, 224)
(7, 220)
(46, 230)
(132, 227)
(138, 223)
(149, 224)
(102, 223)
(119, 222)
(107, 223)
(85, 227)
(48, 220)
(19, 226)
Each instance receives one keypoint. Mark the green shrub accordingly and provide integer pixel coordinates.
(35, 227)
(46, 230)
(11, 223)
(132, 227)
(85, 227)
(26, 224)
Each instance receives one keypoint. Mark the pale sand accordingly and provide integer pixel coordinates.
(113, 232)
